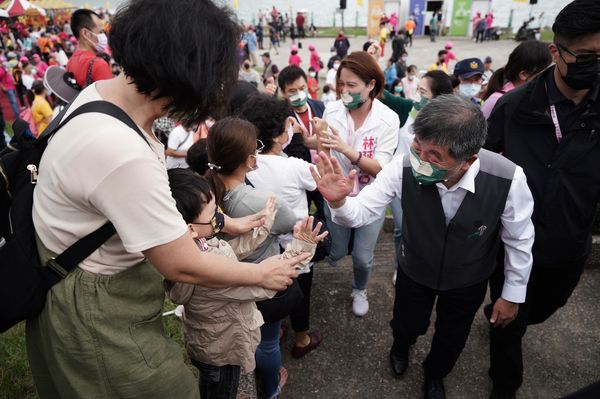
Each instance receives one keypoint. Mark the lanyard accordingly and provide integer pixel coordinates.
(554, 117)
(557, 130)
(309, 127)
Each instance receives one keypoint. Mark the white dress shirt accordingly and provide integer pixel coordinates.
(517, 231)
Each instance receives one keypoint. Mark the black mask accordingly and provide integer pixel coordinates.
(582, 76)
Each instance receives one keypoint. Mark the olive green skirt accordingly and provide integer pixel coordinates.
(103, 337)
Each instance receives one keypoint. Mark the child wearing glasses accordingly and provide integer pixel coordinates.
(221, 326)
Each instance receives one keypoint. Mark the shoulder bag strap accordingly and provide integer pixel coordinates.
(76, 253)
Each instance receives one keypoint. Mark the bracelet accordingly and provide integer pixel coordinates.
(355, 163)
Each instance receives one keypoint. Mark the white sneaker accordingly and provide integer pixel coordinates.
(360, 303)
(394, 277)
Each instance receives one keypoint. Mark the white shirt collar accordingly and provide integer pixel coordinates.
(467, 182)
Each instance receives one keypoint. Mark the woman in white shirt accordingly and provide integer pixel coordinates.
(289, 179)
(181, 139)
(364, 138)
(100, 333)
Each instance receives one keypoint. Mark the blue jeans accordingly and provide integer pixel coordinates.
(268, 360)
(12, 100)
(363, 246)
(396, 206)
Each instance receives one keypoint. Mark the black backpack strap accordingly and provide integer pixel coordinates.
(80, 250)
(103, 107)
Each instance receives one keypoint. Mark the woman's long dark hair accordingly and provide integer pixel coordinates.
(230, 142)
(530, 56)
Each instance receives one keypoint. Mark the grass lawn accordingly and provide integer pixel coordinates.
(15, 376)
(331, 31)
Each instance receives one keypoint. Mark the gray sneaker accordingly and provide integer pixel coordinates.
(360, 303)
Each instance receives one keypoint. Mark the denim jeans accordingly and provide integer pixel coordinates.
(12, 100)
(218, 382)
(396, 206)
(363, 246)
(268, 360)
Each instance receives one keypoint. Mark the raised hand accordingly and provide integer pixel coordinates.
(304, 231)
(330, 179)
(320, 129)
(333, 141)
(269, 211)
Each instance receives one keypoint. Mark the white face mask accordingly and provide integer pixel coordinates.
(102, 44)
(312, 74)
(411, 77)
(404, 59)
(336, 66)
(469, 89)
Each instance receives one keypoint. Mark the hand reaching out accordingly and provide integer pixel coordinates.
(269, 212)
(304, 231)
(331, 181)
(334, 142)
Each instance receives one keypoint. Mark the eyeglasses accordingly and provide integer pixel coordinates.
(586, 58)
(260, 146)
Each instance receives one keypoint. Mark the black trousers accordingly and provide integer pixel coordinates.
(547, 291)
(218, 382)
(455, 310)
(300, 315)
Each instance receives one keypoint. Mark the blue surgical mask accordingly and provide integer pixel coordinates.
(469, 89)
(398, 89)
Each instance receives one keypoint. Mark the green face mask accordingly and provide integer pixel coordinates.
(425, 172)
(352, 100)
(298, 99)
(418, 106)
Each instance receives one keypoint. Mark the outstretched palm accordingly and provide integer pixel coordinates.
(331, 182)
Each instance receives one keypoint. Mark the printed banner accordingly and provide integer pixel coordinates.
(461, 18)
(375, 14)
(417, 12)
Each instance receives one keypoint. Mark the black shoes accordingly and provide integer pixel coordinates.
(434, 388)
(398, 362)
(498, 394)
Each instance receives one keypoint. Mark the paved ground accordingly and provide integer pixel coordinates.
(561, 356)
(423, 53)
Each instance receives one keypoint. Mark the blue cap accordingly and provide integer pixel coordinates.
(468, 67)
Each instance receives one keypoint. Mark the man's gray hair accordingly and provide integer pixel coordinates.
(453, 122)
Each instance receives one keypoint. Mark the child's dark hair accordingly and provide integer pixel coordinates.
(190, 191)
(197, 157)
(326, 89)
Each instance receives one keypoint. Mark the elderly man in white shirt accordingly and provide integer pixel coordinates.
(460, 204)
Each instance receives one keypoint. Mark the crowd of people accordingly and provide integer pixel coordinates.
(243, 181)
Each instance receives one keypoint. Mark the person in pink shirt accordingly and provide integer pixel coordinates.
(40, 66)
(7, 85)
(524, 63)
(294, 57)
(315, 60)
(450, 56)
